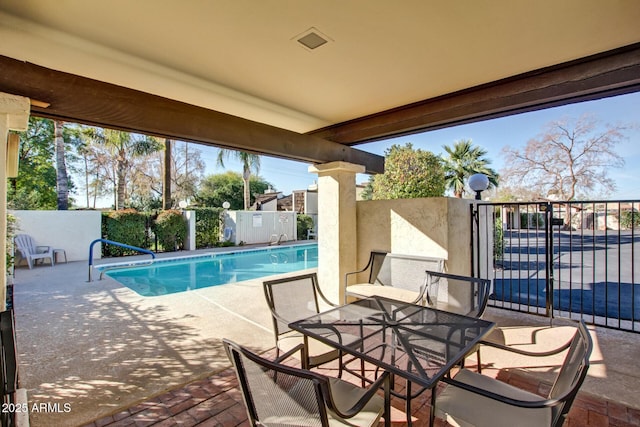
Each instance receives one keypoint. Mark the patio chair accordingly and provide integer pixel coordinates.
(465, 295)
(295, 298)
(278, 395)
(396, 276)
(472, 398)
(28, 250)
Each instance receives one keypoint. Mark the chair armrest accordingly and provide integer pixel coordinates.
(325, 299)
(366, 267)
(43, 249)
(525, 352)
(284, 356)
(346, 276)
(542, 403)
(279, 318)
(382, 382)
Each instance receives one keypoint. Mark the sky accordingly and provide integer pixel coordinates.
(492, 135)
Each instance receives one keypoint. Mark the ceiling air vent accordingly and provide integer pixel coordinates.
(312, 39)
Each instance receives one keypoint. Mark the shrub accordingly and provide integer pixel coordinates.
(12, 225)
(170, 229)
(531, 220)
(629, 219)
(303, 224)
(498, 241)
(208, 225)
(126, 226)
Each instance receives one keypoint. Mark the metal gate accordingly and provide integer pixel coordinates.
(566, 259)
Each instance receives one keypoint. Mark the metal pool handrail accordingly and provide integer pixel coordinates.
(111, 242)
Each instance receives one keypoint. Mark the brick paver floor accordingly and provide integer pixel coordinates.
(217, 402)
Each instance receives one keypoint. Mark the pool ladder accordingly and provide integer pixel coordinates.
(111, 242)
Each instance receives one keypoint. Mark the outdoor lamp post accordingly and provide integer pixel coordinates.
(478, 183)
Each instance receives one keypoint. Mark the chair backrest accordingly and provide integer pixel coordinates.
(471, 293)
(25, 244)
(407, 271)
(572, 373)
(278, 395)
(290, 299)
(376, 259)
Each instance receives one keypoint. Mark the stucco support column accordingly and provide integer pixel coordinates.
(14, 115)
(337, 243)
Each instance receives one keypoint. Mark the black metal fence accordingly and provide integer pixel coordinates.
(566, 259)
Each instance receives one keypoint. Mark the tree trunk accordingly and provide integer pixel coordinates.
(121, 175)
(62, 180)
(246, 174)
(166, 177)
(86, 178)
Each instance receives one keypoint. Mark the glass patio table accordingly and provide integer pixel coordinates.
(416, 342)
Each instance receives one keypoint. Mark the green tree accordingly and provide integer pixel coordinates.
(409, 173)
(228, 187)
(35, 186)
(367, 192)
(250, 162)
(462, 161)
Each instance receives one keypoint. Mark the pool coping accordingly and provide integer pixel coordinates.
(235, 251)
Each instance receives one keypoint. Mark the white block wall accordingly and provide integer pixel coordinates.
(72, 231)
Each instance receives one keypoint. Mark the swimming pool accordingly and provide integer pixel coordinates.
(168, 276)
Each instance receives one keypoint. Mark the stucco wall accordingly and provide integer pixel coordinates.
(436, 227)
(72, 231)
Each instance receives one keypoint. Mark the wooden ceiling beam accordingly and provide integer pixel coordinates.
(73, 98)
(607, 74)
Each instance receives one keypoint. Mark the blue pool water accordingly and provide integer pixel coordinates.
(167, 276)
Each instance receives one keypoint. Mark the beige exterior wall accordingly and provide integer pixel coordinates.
(437, 227)
(14, 115)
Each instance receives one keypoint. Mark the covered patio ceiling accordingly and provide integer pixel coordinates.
(232, 73)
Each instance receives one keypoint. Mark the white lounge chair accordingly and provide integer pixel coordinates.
(27, 249)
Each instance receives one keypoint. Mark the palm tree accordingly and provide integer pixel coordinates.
(121, 148)
(249, 162)
(464, 160)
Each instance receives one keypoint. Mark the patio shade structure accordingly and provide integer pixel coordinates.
(310, 80)
(237, 74)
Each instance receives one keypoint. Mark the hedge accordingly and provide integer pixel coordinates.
(170, 228)
(208, 225)
(126, 226)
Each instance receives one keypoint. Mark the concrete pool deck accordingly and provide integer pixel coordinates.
(101, 347)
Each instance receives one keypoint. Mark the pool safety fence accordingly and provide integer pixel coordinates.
(574, 259)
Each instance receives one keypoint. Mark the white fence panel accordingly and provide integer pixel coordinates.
(260, 226)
